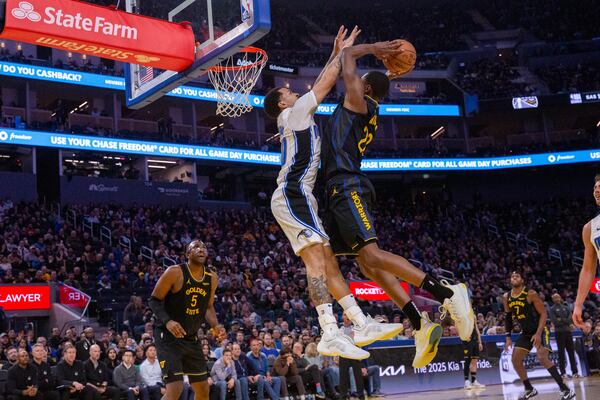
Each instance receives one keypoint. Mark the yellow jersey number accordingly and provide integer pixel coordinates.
(194, 301)
(369, 135)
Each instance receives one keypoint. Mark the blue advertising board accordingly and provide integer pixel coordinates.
(196, 93)
(113, 145)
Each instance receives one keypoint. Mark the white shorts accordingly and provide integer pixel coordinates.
(297, 217)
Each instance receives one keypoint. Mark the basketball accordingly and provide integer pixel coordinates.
(402, 62)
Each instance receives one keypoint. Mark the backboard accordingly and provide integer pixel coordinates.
(221, 29)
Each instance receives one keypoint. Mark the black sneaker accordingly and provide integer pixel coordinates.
(528, 394)
(567, 395)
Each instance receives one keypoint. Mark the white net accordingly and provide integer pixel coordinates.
(233, 80)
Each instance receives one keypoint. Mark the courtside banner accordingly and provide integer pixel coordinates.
(24, 297)
(595, 286)
(371, 291)
(100, 31)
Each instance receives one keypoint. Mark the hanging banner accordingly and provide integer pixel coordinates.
(99, 31)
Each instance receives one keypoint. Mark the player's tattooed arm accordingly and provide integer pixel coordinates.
(340, 43)
(317, 289)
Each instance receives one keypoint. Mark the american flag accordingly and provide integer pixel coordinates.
(146, 74)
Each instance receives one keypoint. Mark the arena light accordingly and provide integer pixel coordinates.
(598, 124)
(163, 161)
(157, 166)
(438, 132)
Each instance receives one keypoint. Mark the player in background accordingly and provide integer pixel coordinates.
(591, 244)
(181, 300)
(295, 208)
(350, 197)
(471, 350)
(526, 306)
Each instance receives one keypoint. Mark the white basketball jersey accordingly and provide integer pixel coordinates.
(300, 145)
(595, 235)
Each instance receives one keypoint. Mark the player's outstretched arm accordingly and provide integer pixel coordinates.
(157, 300)
(354, 100)
(586, 276)
(330, 73)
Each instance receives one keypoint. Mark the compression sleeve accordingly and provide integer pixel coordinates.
(158, 308)
(508, 323)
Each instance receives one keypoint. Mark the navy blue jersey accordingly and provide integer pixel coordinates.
(346, 138)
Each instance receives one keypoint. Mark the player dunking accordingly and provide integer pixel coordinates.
(526, 306)
(350, 197)
(591, 244)
(295, 209)
(182, 299)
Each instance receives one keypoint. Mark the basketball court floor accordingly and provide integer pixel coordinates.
(586, 389)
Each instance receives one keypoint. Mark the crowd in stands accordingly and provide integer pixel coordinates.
(552, 20)
(491, 78)
(262, 285)
(564, 79)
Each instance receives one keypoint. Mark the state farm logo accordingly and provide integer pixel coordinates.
(25, 10)
(61, 18)
(597, 286)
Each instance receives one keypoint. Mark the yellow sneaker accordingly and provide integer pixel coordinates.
(427, 340)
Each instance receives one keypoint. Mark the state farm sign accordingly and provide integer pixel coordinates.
(371, 291)
(595, 286)
(26, 297)
(100, 31)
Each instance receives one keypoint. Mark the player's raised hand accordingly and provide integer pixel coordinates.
(339, 39)
(176, 329)
(577, 317)
(349, 41)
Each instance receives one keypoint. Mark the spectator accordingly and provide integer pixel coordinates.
(96, 375)
(151, 374)
(46, 378)
(560, 314)
(269, 348)
(70, 376)
(311, 374)
(273, 384)
(83, 346)
(313, 358)
(22, 379)
(285, 367)
(112, 362)
(127, 378)
(11, 358)
(224, 376)
(247, 374)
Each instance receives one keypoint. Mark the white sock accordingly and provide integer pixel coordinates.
(353, 311)
(327, 319)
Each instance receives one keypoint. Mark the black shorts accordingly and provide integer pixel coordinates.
(471, 348)
(179, 357)
(347, 217)
(524, 340)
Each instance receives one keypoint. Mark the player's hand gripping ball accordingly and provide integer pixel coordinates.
(401, 62)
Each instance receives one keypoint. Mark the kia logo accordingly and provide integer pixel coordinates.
(25, 10)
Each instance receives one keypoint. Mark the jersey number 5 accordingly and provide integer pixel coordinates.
(369, 135)
(194, 301)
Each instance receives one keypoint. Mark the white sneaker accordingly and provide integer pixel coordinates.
(477, 385)
(341, 345)
(375, 330)
(468, 385)
(459, 307)
(427, 340)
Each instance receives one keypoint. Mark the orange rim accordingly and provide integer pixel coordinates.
(248, 49)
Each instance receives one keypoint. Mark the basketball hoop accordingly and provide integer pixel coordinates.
(234, 78)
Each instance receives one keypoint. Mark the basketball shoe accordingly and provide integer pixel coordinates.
(528, 394)
(427, 340)
(459, 308)
(374, 330)
(567, 395)
(339, 344)
(476, 385)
